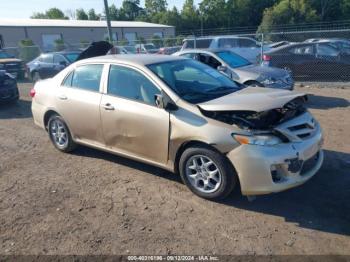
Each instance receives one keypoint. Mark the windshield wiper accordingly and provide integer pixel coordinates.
(222, 88)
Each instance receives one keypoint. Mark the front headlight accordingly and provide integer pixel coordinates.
(259, 140)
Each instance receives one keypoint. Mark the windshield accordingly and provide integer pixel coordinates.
(5, 55)
(193, 81)
(72, 57)
(233, 60)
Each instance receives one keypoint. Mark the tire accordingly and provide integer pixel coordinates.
(60, 135)
(195, 176)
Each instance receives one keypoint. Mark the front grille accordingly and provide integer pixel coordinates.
(300, 128)
(309, 164)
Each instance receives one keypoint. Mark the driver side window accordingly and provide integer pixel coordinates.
(131, 84)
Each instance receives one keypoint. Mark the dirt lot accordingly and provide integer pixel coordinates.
(91, 202)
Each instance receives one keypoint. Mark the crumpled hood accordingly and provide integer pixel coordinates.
(265, 70)
(255, 99)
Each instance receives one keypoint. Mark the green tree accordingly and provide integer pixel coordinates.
(131, 9)
(81, 15)
(190, 15)
(155, 6)
(92, 15)
(288, 12)
(52, 13)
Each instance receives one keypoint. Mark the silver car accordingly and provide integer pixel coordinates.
(240, 69)
(183, 116)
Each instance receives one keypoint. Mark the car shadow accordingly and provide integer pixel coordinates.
(19, 109)
(321, 204)
(94, 153)
(325, 102)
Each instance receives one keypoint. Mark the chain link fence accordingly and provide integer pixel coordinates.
(316, 54)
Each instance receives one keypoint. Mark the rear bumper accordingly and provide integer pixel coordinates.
(270, 169)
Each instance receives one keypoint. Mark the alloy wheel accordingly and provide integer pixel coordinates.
(59, 133)
(203, 174)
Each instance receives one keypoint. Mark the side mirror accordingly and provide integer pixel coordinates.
(159, 100)
(164, 101)
(222, 68)
(63, 63)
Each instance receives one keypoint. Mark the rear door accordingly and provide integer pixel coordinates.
(78, 101)
(132, 123)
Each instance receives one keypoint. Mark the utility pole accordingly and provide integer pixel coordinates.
(108, 19)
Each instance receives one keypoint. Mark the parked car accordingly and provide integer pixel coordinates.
(125, 50)
(319, 60)
(240, 69)
(343, 45)
(183, 116)
(146, 48)
(168, 50)
(11, 65)
(8, 88)
(49, 64)
(244, 46)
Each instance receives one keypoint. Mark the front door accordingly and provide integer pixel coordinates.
(132, 123)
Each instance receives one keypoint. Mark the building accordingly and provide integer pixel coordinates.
(44, 32)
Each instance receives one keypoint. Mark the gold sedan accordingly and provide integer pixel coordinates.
(183, 116)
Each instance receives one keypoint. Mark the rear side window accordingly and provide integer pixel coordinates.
(131, 84)
(304, 50)
(68, 80)
(87, 77)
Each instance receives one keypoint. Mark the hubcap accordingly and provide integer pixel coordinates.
(203, 174)
(58, 133)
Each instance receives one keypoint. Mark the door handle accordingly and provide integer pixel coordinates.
(62, 97)
(108, 106)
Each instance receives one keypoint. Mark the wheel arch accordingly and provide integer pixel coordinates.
(188, 144)
(47, 116)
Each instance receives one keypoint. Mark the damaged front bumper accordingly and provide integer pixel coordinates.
(269, 169)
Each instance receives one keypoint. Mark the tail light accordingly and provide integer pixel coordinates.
(32, 92)
(266, 58)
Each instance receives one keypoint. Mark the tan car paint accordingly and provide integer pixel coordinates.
(154, 135)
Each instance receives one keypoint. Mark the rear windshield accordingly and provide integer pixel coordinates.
(200, 43)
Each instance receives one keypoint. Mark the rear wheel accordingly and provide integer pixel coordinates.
(60, 135)
(207, 173)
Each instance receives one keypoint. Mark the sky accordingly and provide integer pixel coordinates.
(25, 8)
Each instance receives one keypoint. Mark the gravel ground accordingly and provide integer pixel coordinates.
(90, 202)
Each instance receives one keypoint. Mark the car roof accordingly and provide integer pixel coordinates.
(206, 50)
(136, 59)
(219, 36)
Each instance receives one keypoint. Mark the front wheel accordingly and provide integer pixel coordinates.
(207, 173)
(60, 135)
